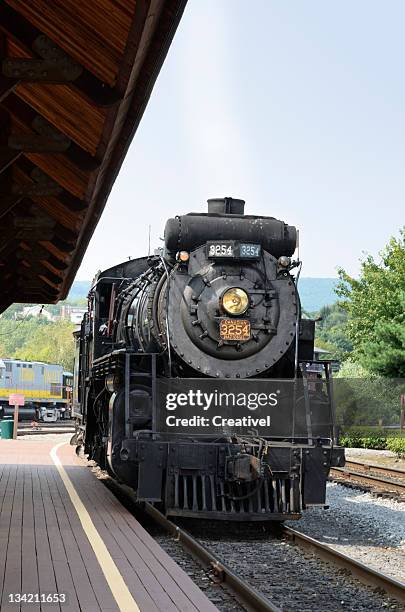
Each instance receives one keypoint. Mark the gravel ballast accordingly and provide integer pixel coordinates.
(369, 529)
(381, 457)
(294, 579)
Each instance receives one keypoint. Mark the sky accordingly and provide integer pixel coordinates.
(296, 107)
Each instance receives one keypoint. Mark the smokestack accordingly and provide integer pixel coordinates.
(226, 206)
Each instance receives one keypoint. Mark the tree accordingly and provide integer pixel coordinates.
(36, 339)
(52, 343)
(365, 398)
(331, 332)
(375, 304)
(13, 311)
(14, 334)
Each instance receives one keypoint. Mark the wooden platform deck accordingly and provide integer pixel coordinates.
(54, 543)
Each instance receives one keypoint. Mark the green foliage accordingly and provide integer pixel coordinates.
(397, 445)
(353, 369)
(366, 399)
(376, 307)
(371, 432)
(36, 339)
(373, 442)
(14, 334)
(373, 439)
(331, 332)
(13, 310)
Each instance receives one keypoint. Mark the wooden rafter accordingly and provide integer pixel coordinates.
(74, 80)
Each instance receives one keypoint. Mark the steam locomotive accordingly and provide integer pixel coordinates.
(195, 382)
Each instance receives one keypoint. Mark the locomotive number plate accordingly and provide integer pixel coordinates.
(218, 250)
(234, 329)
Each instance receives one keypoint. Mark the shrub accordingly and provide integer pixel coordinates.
(353, 440)
(377, 439)
(397, 445)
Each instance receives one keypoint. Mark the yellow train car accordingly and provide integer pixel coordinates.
(45, 386)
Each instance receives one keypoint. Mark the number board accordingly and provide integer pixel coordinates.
(221, 250)
(234, 329)
(249, 251)
(230, 249)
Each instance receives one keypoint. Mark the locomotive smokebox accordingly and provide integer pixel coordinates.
(229, 206)
(225, 220)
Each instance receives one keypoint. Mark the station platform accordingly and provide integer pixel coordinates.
(64, 534)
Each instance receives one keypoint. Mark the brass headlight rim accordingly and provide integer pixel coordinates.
(232, 314)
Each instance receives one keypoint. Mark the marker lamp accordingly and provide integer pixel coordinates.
(183, 256)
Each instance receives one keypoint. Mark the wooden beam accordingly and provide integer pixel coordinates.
(31, 223)
(40, 185)
(35, 143)
(7, 86)
(28, 235)
(86, 83)
(34, 189)
(8, 244)
(40, 253)
(37, 270)
(8, 203)
(26, 118)
(7, 157)
(32, 70)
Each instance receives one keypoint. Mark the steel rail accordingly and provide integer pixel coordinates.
(47, 430)
(362, 572)
(66, 423)
(248, 596)
(368, 479)
(351, 464)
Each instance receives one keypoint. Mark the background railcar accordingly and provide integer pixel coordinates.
(45, 386)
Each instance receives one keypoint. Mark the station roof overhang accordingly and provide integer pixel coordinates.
(75, 79)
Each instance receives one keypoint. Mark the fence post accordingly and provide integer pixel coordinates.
(15, 428)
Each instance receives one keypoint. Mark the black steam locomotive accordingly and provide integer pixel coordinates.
(195, 382)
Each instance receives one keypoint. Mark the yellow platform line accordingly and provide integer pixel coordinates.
(119, 589)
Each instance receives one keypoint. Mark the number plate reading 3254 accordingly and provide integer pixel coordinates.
(220, 249)
(234, 329)
(233, 249)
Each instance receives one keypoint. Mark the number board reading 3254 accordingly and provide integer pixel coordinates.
(231, 249)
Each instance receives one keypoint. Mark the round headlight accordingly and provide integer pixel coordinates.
(235, 301)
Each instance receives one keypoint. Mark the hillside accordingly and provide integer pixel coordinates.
(314, 292)
(78, 290)
(317, 292)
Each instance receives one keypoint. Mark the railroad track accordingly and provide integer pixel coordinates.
(380, 478)
(249, 597)
(47, 425)
(241, 590)
(351, 464)
(359, 570)
(58, 427)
